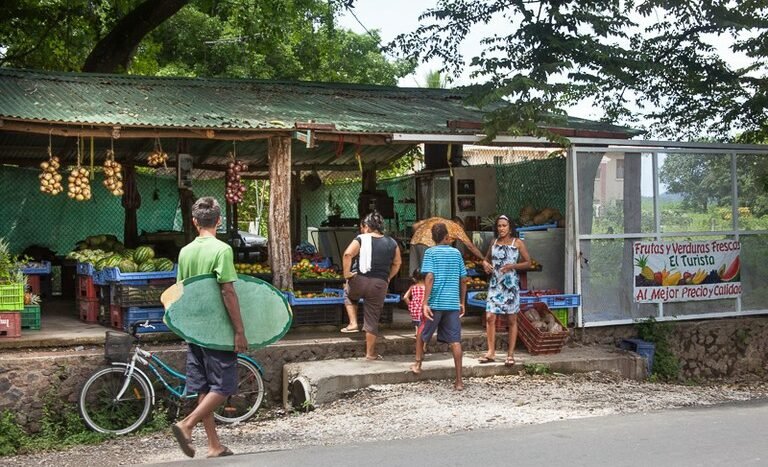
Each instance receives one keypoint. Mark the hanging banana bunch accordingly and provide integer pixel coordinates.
(113, 174)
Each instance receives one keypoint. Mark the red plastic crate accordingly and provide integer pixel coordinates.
(10, 324)
(116, 316)
(535, 340)
(86, 289)
(33, 281)
(88, 310)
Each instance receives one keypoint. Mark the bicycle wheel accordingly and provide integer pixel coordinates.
(250, 393)
(103, 412)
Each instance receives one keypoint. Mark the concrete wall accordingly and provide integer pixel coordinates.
(714, 348)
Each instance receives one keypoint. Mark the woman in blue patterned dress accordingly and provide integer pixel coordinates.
(507, 255)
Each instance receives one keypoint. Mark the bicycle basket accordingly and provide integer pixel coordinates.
(117, 346)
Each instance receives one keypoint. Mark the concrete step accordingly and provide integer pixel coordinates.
(314, 383)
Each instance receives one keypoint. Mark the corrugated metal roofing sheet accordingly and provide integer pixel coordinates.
(127, 100)
(156, 102)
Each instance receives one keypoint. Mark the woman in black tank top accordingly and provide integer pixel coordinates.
(370, 261)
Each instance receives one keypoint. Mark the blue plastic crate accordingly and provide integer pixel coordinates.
(522, 230)
(85, 269)
(337, 300)
(43, 267)
(134, 314)
(115, 275)
(472, 301)
(643, 348)
(555, 301)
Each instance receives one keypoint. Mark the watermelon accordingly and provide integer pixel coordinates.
(128, 253)
(143, 253)
(114, 261)
(147, 266)
(127, 265)
(101, 264)
(163, 264)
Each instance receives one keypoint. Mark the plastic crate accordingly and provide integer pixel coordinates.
(88, 310)
(38, 267)
(87, 289)
(12, 297)
(521, 230)
(30, 317)
(33, 283)
(115, 275)
(473, 301)
(387, 313)
(537, 341)
(10, 324)
(85, 269)
(561, 315)
(337, 300)
(127, 295)
(133, 315)
(317, 315)
(643, 348)
(554, 301)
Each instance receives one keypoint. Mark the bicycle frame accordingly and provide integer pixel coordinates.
(147, 359)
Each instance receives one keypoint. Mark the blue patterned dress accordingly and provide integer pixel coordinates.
(504, 287)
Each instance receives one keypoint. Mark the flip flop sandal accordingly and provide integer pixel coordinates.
(485, 359)
(184, 443)
(224, 453)
(510, 361)
(377, 357)
(349, 330)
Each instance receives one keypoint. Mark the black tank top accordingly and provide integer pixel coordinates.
(381, 257)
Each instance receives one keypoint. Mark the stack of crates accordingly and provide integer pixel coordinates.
(87, 291)
(11, 304)
(135, 297)
(38, 277)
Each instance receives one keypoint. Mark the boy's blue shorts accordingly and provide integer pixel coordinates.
(447, 323)
(211, 370)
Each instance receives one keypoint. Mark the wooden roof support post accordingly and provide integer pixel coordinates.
(279, 153)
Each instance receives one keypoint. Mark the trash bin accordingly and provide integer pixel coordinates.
(643, 348)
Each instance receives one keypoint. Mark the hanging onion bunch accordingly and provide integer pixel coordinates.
(50, 178)
(79, 184)
(113, 174)
(157, 157)
(235, 187)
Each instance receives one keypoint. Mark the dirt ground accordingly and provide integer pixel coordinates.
(419, 409)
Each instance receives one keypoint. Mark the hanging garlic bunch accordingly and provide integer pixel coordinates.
(113, 174)
(79, 186)
(50, 178)
(157, 157)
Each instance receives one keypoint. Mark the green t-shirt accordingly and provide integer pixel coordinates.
(206, 255)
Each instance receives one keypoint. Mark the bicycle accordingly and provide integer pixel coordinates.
(118, 399)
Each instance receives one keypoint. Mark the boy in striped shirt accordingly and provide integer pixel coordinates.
(444, 292)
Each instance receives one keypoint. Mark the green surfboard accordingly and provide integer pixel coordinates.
(195, 311)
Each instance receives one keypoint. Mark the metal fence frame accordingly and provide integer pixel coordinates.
(574, 237)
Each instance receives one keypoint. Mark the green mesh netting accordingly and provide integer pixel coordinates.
(57, 222)
(538, 183)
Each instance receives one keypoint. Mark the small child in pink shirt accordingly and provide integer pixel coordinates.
(414, 298)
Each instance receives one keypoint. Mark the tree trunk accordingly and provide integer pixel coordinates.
(279, 152)
(114, 51)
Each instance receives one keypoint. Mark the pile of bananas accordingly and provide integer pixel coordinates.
(79, 184)
(50, 178)
(113, 174)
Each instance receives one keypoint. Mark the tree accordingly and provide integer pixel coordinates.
(270, 39)
(649, 58)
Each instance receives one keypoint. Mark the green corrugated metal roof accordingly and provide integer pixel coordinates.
(137, 101)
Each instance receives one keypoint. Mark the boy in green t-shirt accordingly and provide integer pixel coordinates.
(210, 373)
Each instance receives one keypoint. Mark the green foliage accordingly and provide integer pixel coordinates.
(666, 367)
(650, 58)
(266, 39)
(12, 437)
(537, 369)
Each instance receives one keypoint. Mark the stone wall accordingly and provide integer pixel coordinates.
(716, 348)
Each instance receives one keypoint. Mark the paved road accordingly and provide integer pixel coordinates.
(726, 435)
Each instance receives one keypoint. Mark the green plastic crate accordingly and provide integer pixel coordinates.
(12, 297)
(561, 315)
(30, 317)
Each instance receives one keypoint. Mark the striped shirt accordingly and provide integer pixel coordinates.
(447, 266)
